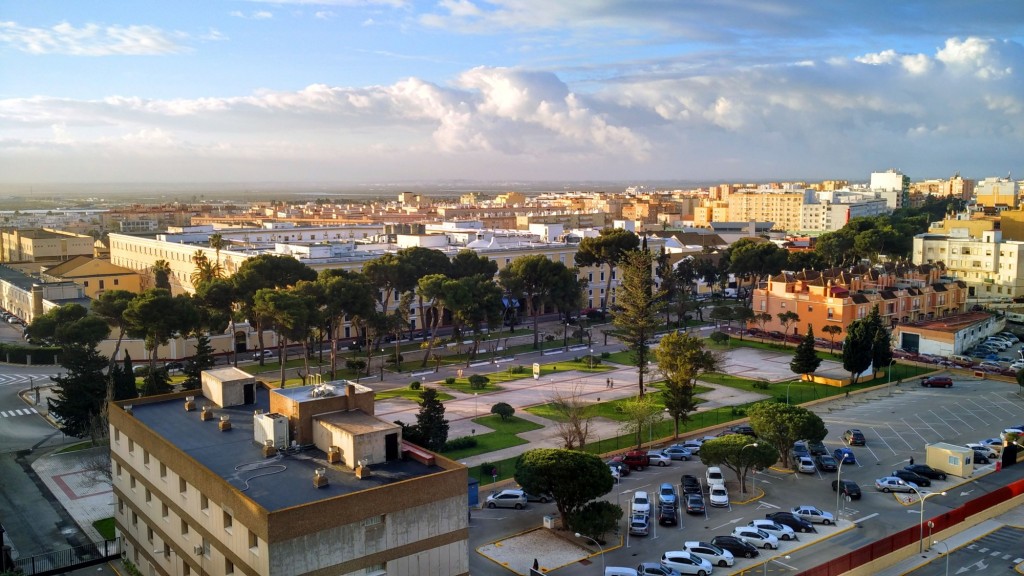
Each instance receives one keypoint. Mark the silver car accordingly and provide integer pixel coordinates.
(507, 499)
(894, 484)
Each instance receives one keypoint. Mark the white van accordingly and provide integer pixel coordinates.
(620, 571)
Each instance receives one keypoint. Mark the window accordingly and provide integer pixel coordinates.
(116, 281)
(163, 470)
(228, 522)
(131, 481)
(120, 506)
(135, 519)
(253, 541)
(86, 283)
(149, 495)
(377, 569)
(229, 567)
(145, 458)
(373, 521)
(184, 528)
(163, 511)
(117, 436)
(149, 534)
(101, 285)
(830, 312)
(810, 308)
(182, 485)
(117, 467)
(131, 446)
(204, 503)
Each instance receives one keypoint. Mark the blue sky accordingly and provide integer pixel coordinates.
(393, 90)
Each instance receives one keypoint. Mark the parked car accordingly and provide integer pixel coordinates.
(694, 504)
(693, 446)
(667, 494)
(542, 498)
(691, 485)
(620, 466)
(937, 382)
(668, 515)
(854, 437)
(265, 354)
(636, 459)
(817, 448)
(806, 465)
(639, 525)
(792, 520)
(988, 451)
(844, 455)
(849, 488)
(507, 499)
(640, 504)
(981, 457)
(814, 515)
(744, 429)
(757, 537)
(826, 463)
(686, 562)
(992, 443)
(708, 551)
(719, 496)
(800, 450)
(908, 476)
(736, 546)
(714, 476)
(655, 569)
(780, 531)
(678, 452)
(658, 458)
(893, 484)
(926, 471)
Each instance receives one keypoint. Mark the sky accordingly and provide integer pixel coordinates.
(353, 91)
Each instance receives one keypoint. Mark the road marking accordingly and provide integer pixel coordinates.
(729, 522)
(914, 430)
(954, 430)
(966, 492)
(926, 424)
(944, 407)
(765, 505)
(900, 437)
(879, 436)
(868, 517)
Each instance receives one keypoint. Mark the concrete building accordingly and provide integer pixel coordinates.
(237, 478)
(43, 245)
(946, 336)
(830, 211)
(990, 266)
(997, 192)
(94, 275)
(894, 185)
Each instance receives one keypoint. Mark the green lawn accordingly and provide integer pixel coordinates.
(504, 436)
(510, 372)
(610, 409)
(105, 527)
(408, 394)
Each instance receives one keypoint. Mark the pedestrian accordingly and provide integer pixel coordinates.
(911, 460)
(611, 383)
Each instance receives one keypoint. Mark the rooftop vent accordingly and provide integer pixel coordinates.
(206, 414)
(190, 403)
(225, 423)
(320, 478)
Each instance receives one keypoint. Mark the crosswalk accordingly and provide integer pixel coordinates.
(24, 379)
(19, 412)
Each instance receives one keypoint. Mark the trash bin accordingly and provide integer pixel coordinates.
(999, 465)
(549, 521)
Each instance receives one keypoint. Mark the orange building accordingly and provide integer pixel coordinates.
(903, 293)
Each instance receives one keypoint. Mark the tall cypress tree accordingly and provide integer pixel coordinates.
(806, 359)
(80, 393)
(430, 422)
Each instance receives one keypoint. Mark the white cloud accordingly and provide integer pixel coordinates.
(323, 14)
(91, 40)
(254, 15)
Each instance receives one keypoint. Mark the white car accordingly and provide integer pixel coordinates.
(780, 531)
(806, 465)
(986, 450)
(714, 476)
(641, 503)
(814, 515)
(1017, 365)
(894, 484)
(711, 553)
(755, 537)
(658, 459)
(507, 499)
(693, 446)
(686, 562)
(719, 496)
(992, 443)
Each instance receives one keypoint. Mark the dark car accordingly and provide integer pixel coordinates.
(738, 547)
(742, 429)
(926, 471)
(908, 476)
(800, 450)
(854, 437)
(668, 515)
(694, 504)
(826, 463)
(816, 448)
(937, 382)
(619, 465)
(691, 485)
(980, 458)
(795, 522)
(849, 488)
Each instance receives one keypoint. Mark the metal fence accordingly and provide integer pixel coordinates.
(61, 561)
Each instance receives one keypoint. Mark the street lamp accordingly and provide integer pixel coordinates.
(839, 483)
(590, 359)
(565, 337)
(787, 391)
(753, 486)
(770, 560)
(599, 547)
(934, 543)
(381, 364)
(921, 498)
(888, 376)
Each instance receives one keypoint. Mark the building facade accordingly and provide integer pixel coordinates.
(989, 265)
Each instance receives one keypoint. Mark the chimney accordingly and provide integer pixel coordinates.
(206, 414)
(190, 403)
(320, 478)
(225, 423)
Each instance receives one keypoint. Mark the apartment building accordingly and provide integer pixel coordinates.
(43, 245)
(894, 186)
(997, 192)
(989, 265)
(836, 297)
(830, 211)
(238, 478)
(94, 275)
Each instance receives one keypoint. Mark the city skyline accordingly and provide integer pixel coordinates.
(392, 90)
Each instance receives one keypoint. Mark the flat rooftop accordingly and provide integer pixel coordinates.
(950, 323)
(275, 483)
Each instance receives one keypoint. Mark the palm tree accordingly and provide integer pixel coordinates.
(162, 274)
(217, 243)
(205, 270)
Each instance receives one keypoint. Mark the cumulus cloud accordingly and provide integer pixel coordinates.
(254, 15)
(91, 40)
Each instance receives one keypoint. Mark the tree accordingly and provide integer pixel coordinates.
(573, 423)
(124, 380)
(681, 359)
(762, 319)
(217, 243)
(756, 260)
(469, 263)
(857, 349)
(780, 425)
(607, 249)
(881, 343)
(345, 294)
(201, 360)
(431, 428)
(291, 313)
(787, 319)
(533, 279)
(722, 314)
(217, 299)
(805, 360)
(640, 412)
(596, 518)
(162, 274)
(743, 315)
(266, 271)
(504, 410)
(77, 404)
(420, 262)
(573, 478)
(832, 330)
(637, 310)
(478, 381)
(205, 271)
(110, 306)
(156, 317)
(739, 453)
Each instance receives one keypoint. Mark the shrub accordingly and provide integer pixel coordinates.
(414, 385)
(503, 409)
(605, 355)
(761, 384)
(590, 360)
(488, 469)
(719, 337)
(460, 443)
(549, 337)
(478, 381)
(519, 369)
(449, 380)
(738, 411)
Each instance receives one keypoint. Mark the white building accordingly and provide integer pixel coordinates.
(990, 266)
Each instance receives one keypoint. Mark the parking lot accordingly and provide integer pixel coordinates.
(897, 423)
(996, 554)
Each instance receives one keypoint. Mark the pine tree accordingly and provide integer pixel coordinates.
(806, 359)
(638, 305)
(202, 360)
(124, 380)
(80, 393)
(430, 421)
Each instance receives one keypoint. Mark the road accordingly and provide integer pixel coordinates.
(897, 428)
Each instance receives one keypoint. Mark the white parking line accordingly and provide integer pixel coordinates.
(883, 440)
(983, 409)
(868, 517)
(957, 417)
(998, 403)
(944, 423)
(915, 429)
(928, 425)
(900, 437)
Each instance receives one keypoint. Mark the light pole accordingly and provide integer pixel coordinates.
(599, 547)
(753, 486)
(888, 376)
(770, 560)
(947, 554)
(787, 392)
(839, 484)
(921, 498)
(381, 364)
(565, 337)
(590, 359)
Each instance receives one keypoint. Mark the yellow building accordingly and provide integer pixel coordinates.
(510, 199)
(994, 192)
(43, 245)
(783, 208)
(94, 275)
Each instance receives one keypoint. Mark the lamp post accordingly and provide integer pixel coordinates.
(888, 375)
(599, 547)
(787, 392)
(753, 486)
(770, 560)
(590, 359)
(381, 364)
(921, 498)
(565, 337)
(934, 543)
(476, 402)
(839, 484)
